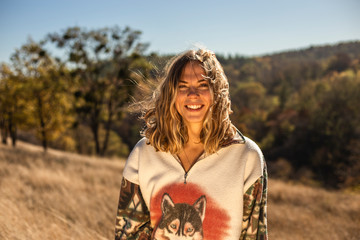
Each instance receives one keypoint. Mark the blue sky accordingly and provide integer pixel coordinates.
(245, 27)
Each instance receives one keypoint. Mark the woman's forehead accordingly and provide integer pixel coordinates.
(192, 69)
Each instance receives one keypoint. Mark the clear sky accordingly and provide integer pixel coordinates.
(245, 27)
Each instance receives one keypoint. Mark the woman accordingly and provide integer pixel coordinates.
(193, 175)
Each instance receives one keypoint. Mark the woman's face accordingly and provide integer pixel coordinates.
(194, 96)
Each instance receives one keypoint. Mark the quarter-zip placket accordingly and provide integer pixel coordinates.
(186, 173)
(185, 176)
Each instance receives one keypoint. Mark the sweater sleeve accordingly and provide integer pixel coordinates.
(254, 225)
(255, 162)
(133, 217)
(131, 169)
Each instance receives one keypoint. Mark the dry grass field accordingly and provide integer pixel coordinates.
(59, 195)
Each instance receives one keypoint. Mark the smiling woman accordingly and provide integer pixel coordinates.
(193, 101)
(194, 97)
(191, 76)
(193, 175)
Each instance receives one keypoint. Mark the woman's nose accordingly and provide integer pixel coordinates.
(193, 91)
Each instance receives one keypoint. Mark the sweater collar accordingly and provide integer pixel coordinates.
(237, 139)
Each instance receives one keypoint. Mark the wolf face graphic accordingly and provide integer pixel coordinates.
(181, 221)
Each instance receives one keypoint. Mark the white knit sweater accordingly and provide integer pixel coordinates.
(211, 192)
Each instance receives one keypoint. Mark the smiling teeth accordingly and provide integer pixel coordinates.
(194, 106)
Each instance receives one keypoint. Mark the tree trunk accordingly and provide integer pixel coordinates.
(44, 140)
(95, 124)
(4, 131)
(42, 125)
(14, 137)
(95, 131)
(107, 129)
(12, 130)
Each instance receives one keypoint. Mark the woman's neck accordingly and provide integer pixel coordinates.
(190, 154)
(193, 148)
(194, 131)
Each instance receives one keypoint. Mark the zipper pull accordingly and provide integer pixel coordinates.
(185, 176)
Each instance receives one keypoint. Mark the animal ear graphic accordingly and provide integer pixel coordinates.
(166, 203)
(200, 206)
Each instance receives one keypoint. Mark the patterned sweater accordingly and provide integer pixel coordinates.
(222, 196)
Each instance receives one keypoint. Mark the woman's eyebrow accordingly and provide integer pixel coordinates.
(199, 81)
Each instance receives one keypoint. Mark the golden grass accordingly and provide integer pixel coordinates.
(61, 195)
(300, 212)
(57, 195)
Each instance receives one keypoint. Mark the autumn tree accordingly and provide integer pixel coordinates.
(104, 61)
(45, 85)
(12, 103)
(339, 62)
(335, 123)
(5, 73)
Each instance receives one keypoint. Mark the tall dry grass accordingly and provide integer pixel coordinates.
(57, 195)
(60, 195)
(299, 212)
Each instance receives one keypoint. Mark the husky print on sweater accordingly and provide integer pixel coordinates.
(181, 220)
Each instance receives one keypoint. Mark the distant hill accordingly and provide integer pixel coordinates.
(320, 52)
(297, 104)
(293, 66)
(59, 195)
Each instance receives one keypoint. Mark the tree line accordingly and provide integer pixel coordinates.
(300, 106)
(61, 99)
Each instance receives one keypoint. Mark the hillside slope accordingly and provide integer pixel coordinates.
(57, 195)
(60, 195)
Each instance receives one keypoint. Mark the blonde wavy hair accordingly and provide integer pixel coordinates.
(165, 129)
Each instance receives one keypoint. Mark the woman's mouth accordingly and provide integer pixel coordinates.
(194, 106)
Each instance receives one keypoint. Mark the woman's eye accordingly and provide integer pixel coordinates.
(204, 85)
